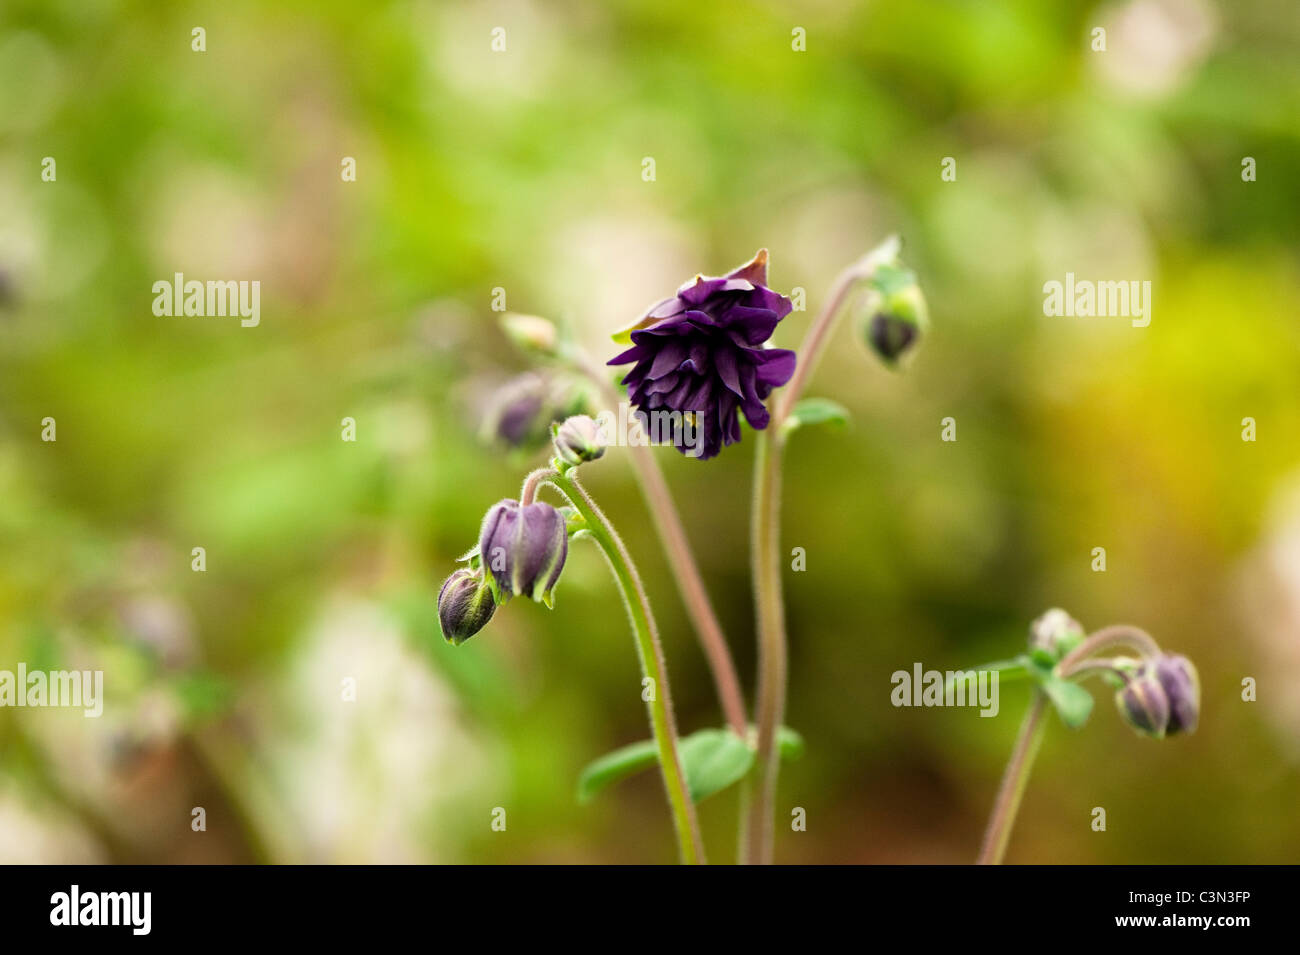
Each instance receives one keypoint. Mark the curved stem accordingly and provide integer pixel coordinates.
(1014, 779)
(535, 479)
(1120, 634)
(660, 705)
(765, 528)
(819, 333)
(686, 573)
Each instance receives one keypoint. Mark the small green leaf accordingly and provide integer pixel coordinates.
(789, 743)
(1072, 702)
(815, 411)
(614, 766)
(713, 760)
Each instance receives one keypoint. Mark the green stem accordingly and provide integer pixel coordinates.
(765, 531)
(765, 528)
(660, 706)
(672, 535)
(1014, 780)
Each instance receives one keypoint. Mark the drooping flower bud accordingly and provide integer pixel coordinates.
(578, 440)
(1054, 634)
(523, 549)
(1182, 686)
(531, 333)
(522, 411)
(1143, 704)
(465, 605)
(899, 317)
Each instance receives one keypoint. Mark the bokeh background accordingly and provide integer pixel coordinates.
(522, 170)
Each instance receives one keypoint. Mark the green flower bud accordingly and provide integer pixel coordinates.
(465, 605)
(531, 333)
(578, 440)
(1143, 704)
(1054, 634)
(899, 317)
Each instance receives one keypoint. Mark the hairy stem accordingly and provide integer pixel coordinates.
(686, 573)
(766, 542)
(660, 705)
(1014, 779)
(535, 479)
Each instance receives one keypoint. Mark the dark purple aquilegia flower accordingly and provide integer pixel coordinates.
(700, 353)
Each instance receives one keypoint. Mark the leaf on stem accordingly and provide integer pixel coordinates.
(712, 760)
(1073, 703)
(812, 411)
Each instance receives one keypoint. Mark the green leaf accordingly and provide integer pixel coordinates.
(789, 743)
(614, 766)
(713, 760)
(815, 411)
(1072, 702)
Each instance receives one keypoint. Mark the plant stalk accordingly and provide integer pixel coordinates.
(765, 529)
(686, 573)
(660, 706)
(765, 534)
(1014, 780)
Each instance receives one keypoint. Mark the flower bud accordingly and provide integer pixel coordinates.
(1055, 634)
(1143, 704)
(1182, 686)
(519, 412)
(523, 548)
(579, 440)
(465, 605)
(531, 333)
(900, 315)
(522, 411)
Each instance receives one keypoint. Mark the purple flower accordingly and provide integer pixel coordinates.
(523, 549)
(1178, 678)
(1143, 704)
(700, 354)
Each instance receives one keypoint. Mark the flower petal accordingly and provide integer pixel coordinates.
(775, 366)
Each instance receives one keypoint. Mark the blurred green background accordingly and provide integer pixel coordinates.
(522, 170)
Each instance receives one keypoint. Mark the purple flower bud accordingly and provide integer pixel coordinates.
(521, 412)
(523, 548)
(1143, 704)
(518, 414)
(579, 440)
(1182, 687)
(465, 605)
(701, 354)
